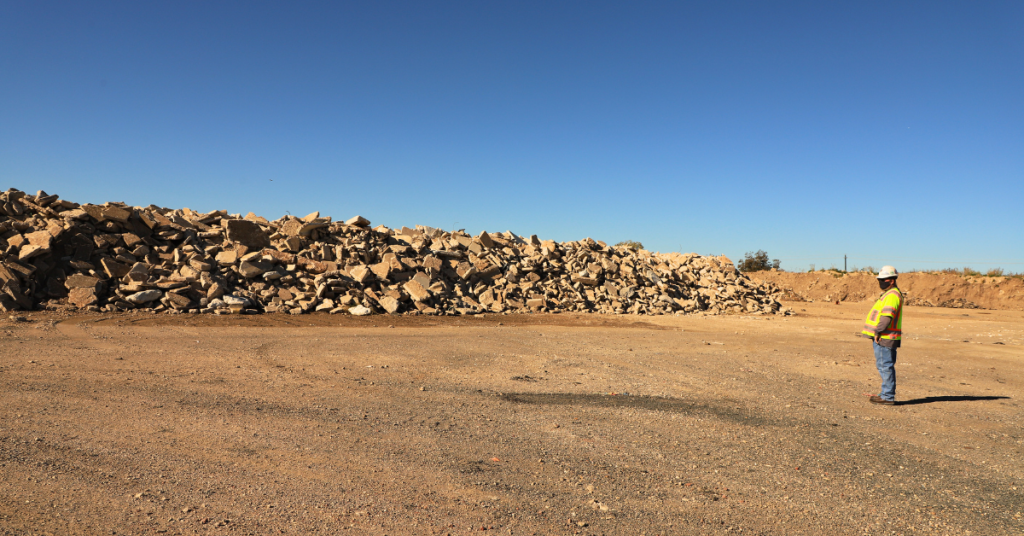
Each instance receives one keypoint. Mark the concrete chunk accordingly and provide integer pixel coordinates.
(227, 258)
(145, 296)
(247, 233)
(358, 221)
(215, 291)
(485, 240)
(43, 239)
(416, 291)
(293, 244)
(81, 281)
(82, 297)
(250, 270)
(423, 279)
(27, 252)
(139, 272)
(359, 310)
(114, 269)
(111, 213)
(586, 280)
(390, 304)
(433, 263)
(466, 270)
(360, 273)
(381, 270)
(178, 301)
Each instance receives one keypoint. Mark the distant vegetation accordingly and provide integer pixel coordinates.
(760, 258)
(756, 262)
(969, 272)
(631, 244)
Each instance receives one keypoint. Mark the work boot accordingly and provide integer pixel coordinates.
(875, 399)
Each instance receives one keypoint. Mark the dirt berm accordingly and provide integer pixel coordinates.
(925, 289)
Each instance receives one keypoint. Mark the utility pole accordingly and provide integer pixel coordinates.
(844, 263)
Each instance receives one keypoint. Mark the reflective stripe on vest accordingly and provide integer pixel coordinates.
(895, 329)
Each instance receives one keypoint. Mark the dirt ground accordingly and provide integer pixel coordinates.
(530, 424)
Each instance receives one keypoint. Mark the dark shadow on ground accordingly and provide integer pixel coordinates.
(651, 403)
(930, 399)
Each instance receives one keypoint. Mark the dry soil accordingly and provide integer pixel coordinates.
(529, 424)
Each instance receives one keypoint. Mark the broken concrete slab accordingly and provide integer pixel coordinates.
(105, 213)
(82, 297)
(358, 221)
(247, 233)
(416, 291)
(250, 270)
(391, 305)
(114, 269)
(82, 281)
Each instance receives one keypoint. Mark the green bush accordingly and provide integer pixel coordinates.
(756, 262)
(631, 244)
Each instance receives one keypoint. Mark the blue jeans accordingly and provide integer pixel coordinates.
(885, 360)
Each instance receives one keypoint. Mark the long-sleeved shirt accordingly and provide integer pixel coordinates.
(883, 323)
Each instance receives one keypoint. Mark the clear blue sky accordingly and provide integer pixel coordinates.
(891, 131)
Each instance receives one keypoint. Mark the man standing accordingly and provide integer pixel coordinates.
(884, 326)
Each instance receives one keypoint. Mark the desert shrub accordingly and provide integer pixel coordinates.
(631, 244)
(967, 271)
(756, 262)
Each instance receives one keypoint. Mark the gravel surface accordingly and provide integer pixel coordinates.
(518, 424)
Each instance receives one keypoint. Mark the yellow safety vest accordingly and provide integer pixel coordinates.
(890, 303)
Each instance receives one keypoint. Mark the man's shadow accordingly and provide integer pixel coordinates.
(930, 399)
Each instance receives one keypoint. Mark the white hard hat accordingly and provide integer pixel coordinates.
(887, 272)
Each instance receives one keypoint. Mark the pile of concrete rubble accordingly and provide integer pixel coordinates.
(114, 257)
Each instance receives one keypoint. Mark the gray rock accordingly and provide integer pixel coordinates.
(359, 310)
(235, 300)
(145, 296)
